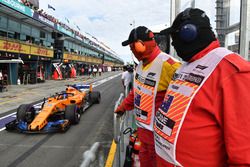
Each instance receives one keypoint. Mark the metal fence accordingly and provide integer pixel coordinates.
(120, 124)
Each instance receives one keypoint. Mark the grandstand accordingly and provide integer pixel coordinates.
(29, 34)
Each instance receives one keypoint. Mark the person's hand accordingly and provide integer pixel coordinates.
(120, 109)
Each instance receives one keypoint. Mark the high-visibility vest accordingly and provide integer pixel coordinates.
(189, 78)
(145, 88)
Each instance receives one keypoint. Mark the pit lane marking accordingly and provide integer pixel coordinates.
(104, 80)
(16, 98)
(9, 100)
(2, 129)
(8, 115)
(111, 155)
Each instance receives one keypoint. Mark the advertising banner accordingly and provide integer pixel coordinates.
(69, 56)
(63, 30)
(14, 47)
(108, 63)
(43, 19)
(18, 7)
(96, 60)
(80, 58)
(25, 49)
(41, 51)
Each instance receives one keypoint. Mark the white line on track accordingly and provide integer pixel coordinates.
(8, 115)
(2, 129)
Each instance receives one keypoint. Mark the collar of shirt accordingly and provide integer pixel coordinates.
(211, 46)
(153, 55)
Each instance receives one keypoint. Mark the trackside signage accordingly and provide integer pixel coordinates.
(43, 19)
(63, 30)
(18, 7)
(69, 56)
(15, 47)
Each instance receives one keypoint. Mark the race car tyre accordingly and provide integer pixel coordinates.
(26, 113)
(95, 97)
(81, 109)
(72, 114)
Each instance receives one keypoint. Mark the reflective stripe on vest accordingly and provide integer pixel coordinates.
(145, 88)
(171, 114)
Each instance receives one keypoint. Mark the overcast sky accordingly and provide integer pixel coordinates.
(109, 20)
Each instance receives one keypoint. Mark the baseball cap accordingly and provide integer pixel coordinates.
(140, 33)
(192, 15)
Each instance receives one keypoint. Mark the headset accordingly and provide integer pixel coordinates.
(139, 45)
(188, 32)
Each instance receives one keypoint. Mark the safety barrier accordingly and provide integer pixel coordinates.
(120, 124)
(118, 137)
(94, 157)
(117, 120)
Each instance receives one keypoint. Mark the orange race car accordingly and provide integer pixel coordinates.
(56, 113)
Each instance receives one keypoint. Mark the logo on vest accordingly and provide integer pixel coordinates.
(145, 81)
(201, 67)
(175, 87)
(151, 75)
(194, 78)
(177, 76)
(190, 77)
(140, 78)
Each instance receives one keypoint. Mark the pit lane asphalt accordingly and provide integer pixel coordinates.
(63, 149)
(21, 94)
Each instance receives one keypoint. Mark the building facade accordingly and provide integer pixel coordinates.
(40, 42)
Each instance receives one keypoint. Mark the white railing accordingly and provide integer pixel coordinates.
(94, 157)
(121, 122)
(118, 129)
(117, 120)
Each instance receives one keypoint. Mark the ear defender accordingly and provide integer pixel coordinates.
(140, 46)
(188, 31)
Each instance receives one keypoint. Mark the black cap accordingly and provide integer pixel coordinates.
(140, 33)
(192, 15)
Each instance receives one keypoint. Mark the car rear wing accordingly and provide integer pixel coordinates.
(82, 87)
